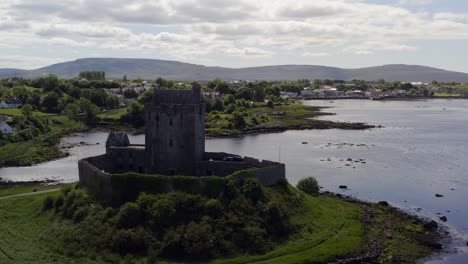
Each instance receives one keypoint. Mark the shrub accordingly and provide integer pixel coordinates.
(129, 216)
(59, 202)
(80, 214)
(309, 185)
(198, 240)
(130, 241)
(47, 204)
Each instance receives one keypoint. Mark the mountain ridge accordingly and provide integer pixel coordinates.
(116, 68)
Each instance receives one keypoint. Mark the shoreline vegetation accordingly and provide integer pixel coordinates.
(280, 118)
(89, 102)
(323, 228)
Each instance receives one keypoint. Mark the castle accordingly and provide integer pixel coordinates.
(174, 145)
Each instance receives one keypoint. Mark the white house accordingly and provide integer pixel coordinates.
(5, 128)
(11, 103)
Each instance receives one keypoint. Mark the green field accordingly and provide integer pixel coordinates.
(113, 114)
(331, 228)
(17, 112)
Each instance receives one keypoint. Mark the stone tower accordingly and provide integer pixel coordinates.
(175, 132)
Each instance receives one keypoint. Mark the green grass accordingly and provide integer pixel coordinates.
(17, 112)
(42, 148)
(29, 152)
(23, 231)
(330, 229)
(446, 95)
(291, 114)
(113, 114)
(13, 190)
(62, 123)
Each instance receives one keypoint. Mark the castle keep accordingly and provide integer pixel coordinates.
(174, 145)
(175, 132)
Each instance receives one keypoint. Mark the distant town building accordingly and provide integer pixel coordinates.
(11, 102)
(211, 95)
(5, 128)
(419, 84)
(289, 95)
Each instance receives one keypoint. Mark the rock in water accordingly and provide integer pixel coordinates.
(439, 195)
(383, 203)
(343, 187)
(432, 225)
(443, 218)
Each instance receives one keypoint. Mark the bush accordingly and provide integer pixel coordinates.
(47, 204)
(130, 241)
(80, 214)
(174, 225)
(309, 185)
(59, 202)
(129, 216)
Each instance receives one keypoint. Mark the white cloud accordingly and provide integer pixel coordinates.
(315, 54)
(249, 52)
(455, 17)
(244, 28)
(415, 2)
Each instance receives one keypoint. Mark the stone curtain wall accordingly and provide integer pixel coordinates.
(97, 181)
(124, 159)
(98, 174)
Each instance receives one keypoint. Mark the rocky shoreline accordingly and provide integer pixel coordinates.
(308, 124)
(4, 183)
(430, 237)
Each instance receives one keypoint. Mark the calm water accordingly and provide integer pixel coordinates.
(422, 150)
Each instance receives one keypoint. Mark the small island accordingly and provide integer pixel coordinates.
(170, 201)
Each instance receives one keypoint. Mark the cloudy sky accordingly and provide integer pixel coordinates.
(237, 33)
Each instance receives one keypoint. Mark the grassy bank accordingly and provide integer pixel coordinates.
(40, 149)
(262, 119)
(331, 229)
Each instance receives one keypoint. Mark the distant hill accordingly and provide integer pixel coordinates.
(174, 70)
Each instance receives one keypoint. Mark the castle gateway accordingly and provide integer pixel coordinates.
(174, 145)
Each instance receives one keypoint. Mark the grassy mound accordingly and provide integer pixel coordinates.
(249, 225)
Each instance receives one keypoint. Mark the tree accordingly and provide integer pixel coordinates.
(218, 105)
(130, 93)
(134, 115)
(50, 102)
(125, 78)
(244, 93)
(89, 109)
(72, 111)
(316, 84)
(380, 81)
(273, 90)
(223, 88)
(93, 75)
(259, 92)
(212, 84)
(26, 110)
(238, 120)
(309, 185)
(230, 99)
(146, 97)
(49, 83)
(75, 92)
(196, 85)
(21, 93)
(161, 82)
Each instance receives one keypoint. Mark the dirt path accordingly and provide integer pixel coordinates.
(30, 193)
